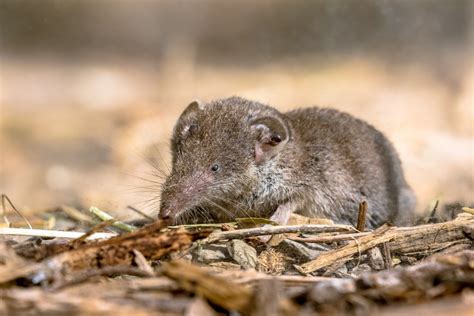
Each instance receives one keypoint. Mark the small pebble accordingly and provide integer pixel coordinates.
(211, 253)
(297, 251)
(242, 253)
(376, 261)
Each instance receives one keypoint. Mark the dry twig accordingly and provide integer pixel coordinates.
(428, 238)
(274, 230)
(362, 216)
(47, 233)
(345, 253)
(4, 198)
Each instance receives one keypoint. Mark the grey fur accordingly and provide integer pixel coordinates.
(329, 163)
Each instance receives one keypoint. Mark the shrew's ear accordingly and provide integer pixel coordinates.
(192, 108)
(272, 134)
(187, 118)
(185, 126)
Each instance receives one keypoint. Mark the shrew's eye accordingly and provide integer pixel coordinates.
(215, 167)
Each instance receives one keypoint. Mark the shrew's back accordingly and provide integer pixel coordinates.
(348, 161)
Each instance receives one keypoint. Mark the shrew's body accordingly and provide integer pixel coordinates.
(238, 158)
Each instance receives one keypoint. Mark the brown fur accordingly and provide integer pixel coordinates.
(315, 161)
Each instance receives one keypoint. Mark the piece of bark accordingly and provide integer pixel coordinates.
(443, 277)
(362, 216)
(428, 238)
(345, 253)
(219, 291)
(38, 249)
(149, 240)
(387, 255)
(113, 297)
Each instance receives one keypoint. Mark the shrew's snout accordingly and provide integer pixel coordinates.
(177, 197)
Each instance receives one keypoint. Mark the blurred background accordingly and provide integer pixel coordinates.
(90, 90)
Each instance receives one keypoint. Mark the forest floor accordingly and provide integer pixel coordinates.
(247, 267)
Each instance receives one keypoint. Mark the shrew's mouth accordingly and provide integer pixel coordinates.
(194, 215)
